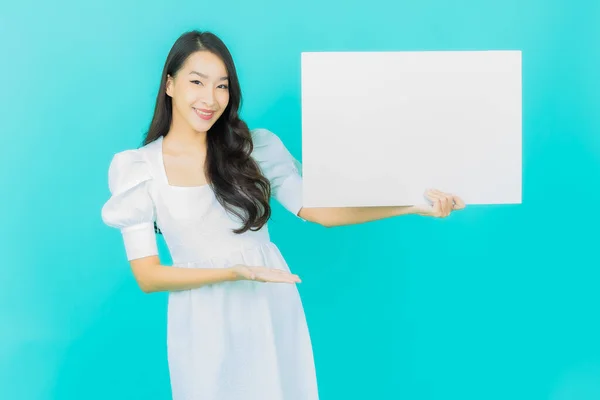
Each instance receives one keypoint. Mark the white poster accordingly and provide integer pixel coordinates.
(379, 128)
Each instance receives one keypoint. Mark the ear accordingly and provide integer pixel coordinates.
(169, 86)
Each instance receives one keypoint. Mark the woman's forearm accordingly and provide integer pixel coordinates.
(161, 278)
(340, 216)
(440, 206)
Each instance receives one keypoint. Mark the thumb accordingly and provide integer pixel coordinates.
(459, 203)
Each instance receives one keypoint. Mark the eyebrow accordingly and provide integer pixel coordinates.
(223, 78)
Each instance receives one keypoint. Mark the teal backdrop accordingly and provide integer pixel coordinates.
(496, 302)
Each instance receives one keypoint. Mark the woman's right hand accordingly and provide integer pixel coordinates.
(264, 274)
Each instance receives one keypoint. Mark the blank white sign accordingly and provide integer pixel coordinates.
(379, 128)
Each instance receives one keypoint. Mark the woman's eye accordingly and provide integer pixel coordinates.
(196, 82)
(224, 86)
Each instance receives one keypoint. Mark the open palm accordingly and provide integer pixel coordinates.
(264, 274)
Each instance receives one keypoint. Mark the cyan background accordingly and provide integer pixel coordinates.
(493, 303)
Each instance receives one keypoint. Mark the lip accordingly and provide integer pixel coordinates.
(198, 112)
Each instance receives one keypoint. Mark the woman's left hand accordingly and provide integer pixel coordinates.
(442, 204)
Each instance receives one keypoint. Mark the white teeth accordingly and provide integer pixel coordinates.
(203, 113)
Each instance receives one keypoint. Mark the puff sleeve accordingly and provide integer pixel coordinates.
(130, 207)
(280, 168)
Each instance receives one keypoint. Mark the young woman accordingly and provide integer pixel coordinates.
(236, 325)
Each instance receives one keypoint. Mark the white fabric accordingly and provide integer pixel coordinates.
(130, 207)
(231, 340)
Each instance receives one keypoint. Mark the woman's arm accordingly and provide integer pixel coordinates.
(339, 216)
(442, 205)
(152, 277)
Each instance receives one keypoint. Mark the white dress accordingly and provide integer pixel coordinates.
(240, 340)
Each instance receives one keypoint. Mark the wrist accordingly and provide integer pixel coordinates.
(406, 210)
(422, 210)
(232, 274)
(237, 273)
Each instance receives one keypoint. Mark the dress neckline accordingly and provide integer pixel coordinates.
(163, 169)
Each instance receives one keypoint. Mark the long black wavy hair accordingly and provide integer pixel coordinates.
(234, 176)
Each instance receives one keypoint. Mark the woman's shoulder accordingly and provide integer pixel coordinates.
(270, 151)
(267, 145)
(139, 155)
(133, 165)
(262, 137)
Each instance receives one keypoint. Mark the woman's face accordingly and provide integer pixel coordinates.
(199, 91)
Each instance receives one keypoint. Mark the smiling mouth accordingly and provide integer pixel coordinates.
(205, 115)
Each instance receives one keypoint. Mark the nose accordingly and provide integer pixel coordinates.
(208, 97)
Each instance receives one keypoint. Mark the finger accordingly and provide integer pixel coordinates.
(455, 202)
(282, 280)
(459, 203)
(273, 276)
(280, 271)
(444, 206)
(446, 203)
(449, 204)
(432, 194)
(277, 271)
(436, 204)
(292, 278)
(438, 193)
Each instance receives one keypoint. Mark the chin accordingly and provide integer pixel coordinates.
(201, 126)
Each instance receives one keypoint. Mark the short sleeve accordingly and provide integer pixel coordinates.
(280, 168)
(130, 207)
